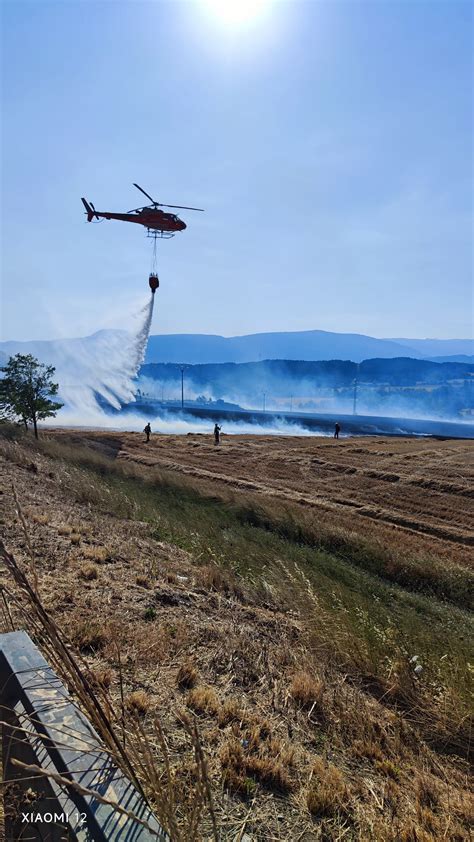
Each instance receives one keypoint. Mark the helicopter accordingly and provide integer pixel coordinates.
(158, 222)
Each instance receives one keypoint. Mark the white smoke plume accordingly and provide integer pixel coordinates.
(175, 424)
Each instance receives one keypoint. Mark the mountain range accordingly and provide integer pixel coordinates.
(193, 348)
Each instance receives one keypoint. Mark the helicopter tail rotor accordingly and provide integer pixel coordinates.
(90, 210)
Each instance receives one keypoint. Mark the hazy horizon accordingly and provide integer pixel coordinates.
(254, 333)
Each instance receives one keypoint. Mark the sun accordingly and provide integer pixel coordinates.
(236, 12)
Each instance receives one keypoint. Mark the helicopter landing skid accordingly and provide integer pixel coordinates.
(161, 235)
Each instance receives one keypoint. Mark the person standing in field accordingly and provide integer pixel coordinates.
(147, 431)
(337, 430)
(217, 433)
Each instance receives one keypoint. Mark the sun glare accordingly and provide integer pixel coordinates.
(236, 12)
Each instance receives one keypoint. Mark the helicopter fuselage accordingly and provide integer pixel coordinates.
(155, 219)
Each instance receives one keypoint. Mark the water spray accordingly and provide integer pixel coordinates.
(101, 371)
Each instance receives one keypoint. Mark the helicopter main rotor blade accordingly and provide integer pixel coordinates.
(145, 193)
(182, 207)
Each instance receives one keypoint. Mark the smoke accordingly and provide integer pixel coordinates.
(99, 375)
(405, 388)
(175, 424)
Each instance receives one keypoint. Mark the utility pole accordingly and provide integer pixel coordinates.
(182, 368)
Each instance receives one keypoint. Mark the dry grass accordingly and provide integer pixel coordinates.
(98, 554)
(64, 530)
(41, 518)
(216, 579)
(143, 581)
(310, 630)
(90, 635)
(231, 711)
(88, 572)
(138, 703)
(327, 793)
(159, 781)
(388, 768)
(427, 791)
(203, 700)
(307, 691)
(187, 675)
(101, 677)
(367, 748)
(243, 770)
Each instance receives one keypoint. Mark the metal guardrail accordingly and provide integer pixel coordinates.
(43, 728)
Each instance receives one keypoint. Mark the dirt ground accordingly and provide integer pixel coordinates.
(415, 491)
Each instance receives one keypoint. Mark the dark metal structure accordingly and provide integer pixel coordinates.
(43, 728)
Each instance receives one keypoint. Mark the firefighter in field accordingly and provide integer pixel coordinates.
(147, 431)
(217, 433)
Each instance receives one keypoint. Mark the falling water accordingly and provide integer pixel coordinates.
(102, 369)
(141, 339)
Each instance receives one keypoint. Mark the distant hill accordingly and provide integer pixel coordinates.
(455, 358)
(276, 375)
(384, 386)
(301, 345)
(203, 348)
(438, 347)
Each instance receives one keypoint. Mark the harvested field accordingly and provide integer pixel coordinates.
(232, 584)
(413, 493)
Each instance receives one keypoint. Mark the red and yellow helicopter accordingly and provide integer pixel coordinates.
(158, 223)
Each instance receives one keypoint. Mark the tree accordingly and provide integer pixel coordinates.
(26, 389)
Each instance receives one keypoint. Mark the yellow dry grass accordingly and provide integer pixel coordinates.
(272, 676)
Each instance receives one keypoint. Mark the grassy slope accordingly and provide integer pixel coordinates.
(358, 631)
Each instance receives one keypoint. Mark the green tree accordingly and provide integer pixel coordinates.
(26, 389)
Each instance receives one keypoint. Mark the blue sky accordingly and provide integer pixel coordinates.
(329, 142)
